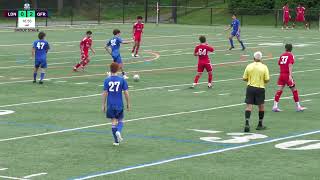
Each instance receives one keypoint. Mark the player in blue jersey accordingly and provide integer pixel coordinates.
(40, 49)
(113, 87)
(235, 26)
(113, 48)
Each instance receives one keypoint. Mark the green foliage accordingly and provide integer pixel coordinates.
(251, 7)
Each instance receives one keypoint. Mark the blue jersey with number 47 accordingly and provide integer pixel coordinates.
(41, 48)
(235, 25)
(114, 85)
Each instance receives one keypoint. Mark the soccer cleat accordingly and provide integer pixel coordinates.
(116, 144)
(132, 54)
(232, 47)
(209, 85)
(75, 69)
(34, 81)
(193, 86)
(259, 128)
(276, 109)
(244, 48)
(125, 77)
(247, 128)
(40, 82)
(136, 55)
(118, 134)
(301, 109)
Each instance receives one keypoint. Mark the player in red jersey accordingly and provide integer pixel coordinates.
(202, 50)
(286, 15)
(85, 45)
(285, 63)
(300, 15)
(137, 31)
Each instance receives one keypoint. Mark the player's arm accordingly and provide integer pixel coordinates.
(92, 50)
(126, 95)
(210, 48)
(228, 28)
(266, 75)
(33, 52)
(107, 47)
(195, 53)
(104, 100)
(245, 75)
(290, 71)
(133, 29)
(127, 42)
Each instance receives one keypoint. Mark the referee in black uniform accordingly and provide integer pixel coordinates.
(256, 75)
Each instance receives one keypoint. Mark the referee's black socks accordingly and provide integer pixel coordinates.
(247, 116)
(261, 116)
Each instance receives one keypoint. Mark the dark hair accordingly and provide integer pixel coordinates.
(300, 3)
(88, 32)
(202, 39)
(139, 17)
(116, 31)
(41, 35)
(114, 67)
(234, 14)
(288, 47)
(286, 3)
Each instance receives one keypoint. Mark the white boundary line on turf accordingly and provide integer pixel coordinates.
(34, 175)
(3, 169)
(142, 118)
(15, 178)
(134, 90)
(196, 155)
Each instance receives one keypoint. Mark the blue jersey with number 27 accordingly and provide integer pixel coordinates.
(41, 47)
(114, 85)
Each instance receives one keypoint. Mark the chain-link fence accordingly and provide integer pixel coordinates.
(197, 12)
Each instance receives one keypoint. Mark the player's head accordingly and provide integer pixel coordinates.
(89, 33)
(234, 16)
(257, 56)
(288, 47)
(114, 67)
(202, 39)
(139, 18)
(116, 32)
(41, 35)
(286, 4)
(300, 4)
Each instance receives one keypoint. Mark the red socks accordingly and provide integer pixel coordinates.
(277, 96)
(196, 79)
(209, 77)
(295, 95)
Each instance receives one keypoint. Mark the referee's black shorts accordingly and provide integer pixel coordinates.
(255, 95)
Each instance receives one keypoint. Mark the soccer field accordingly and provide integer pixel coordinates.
(57, 130)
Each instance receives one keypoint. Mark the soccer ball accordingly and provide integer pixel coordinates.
(136, 77)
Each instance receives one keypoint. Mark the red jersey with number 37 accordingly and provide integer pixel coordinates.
(284, 61)
(85, 44)
(202, 50)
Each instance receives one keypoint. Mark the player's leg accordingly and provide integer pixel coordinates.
(209, 70)
(137, 49)
(114, 129)
(260, 97)
(43, 67)
(198, 75)
(281, 84)
(296, 98)
(35, 73)
(134, 48)
(231, 41)
(250, 98)
(77, 66)
(119, 124)
(85, 62)
(240, 41)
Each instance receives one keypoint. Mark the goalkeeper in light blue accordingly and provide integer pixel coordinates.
(40, 49)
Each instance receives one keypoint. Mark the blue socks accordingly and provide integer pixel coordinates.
(42, 76)
(231, 42)
(242, 44)
(35, 76)
(114, 130)
(120, 125)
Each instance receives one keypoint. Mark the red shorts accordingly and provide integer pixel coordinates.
(286, 20)
(202, 66)
(300, 19)
(284, 80)
(85, 56)
(137, 37)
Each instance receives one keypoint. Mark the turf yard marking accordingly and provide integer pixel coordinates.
(199, 92)
(188, 156)
(172, 90)
(34, 175)
(307, 100)
(205, 131)
(224, 94)
(81, 83)
(15, 78)
(228, 54)
(143, 89)
(317, 59)
(3, 169)
(60, 82)
(142, 118)
(16, 178)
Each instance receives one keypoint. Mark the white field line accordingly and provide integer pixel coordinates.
(224, 94)
(34, 175)
(142, 118)
(172, 90)
(151, 70)
(81, 83)
(3, 169)
(307, 100)
(134, 90)
(16, 178)
(199, 92)
(195, 155)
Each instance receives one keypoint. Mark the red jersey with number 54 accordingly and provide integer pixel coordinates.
(202, 50)
(85, 44)
(284, 61)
